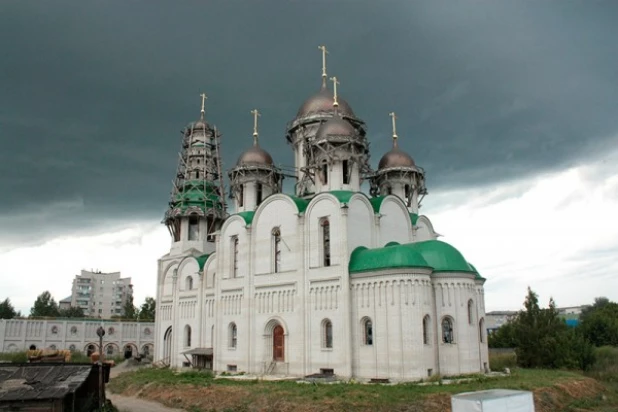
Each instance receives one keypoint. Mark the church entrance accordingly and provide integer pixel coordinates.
(278, 344)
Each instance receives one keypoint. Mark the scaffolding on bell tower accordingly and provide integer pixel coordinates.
(197, 189)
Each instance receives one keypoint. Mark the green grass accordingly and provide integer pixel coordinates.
(345, 395)
(500, 361)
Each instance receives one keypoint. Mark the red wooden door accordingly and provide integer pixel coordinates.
(278, 344)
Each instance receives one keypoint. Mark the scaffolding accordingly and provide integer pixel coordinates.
(197, 190)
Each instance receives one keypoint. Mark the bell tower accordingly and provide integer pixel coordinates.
(197, 205)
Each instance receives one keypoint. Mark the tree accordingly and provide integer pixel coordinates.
(147, 310)
(543, 340)
(7, 311)
(599, 323)
(44, 306)
(129, 310)
(71, 312)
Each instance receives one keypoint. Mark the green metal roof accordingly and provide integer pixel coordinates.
(343, 196)
(393, 256)
(413, 218)
(247, 216)
(201, 261)
(434, 254)
(441, 256)
(376, 202)
(301, 204)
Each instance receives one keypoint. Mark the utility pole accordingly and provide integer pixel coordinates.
(100, 334)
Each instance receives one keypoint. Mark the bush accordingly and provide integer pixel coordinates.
(14, 357)
(605, 366)
(499, 361)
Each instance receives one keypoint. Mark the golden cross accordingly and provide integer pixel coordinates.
(255, 114)
(203, 96)
(335, 83)
(324, 53)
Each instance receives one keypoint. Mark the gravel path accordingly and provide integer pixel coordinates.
(132, 404)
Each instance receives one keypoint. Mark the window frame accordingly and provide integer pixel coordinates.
(426, 329)
(232, 336)
(234, 256)
(325, 242)
(327, 334)
(276, 249)
(368, 336)
(449, 337)
(345, 172)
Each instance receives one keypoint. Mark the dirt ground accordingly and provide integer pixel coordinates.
(133, 403)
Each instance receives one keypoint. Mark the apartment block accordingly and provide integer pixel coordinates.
(101, 295)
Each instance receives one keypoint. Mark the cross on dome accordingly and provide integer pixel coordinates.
(255, 114)
(335, 83)
(394, 121)
(203, 111)
(324, 53)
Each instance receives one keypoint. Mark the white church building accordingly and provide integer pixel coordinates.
(327, 279)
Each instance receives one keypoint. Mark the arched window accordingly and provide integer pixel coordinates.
(258, 193)
(325, 235)
(194, 227)
(212, 336)
(406, 190)
(189, 283)
(110, 350)
(276, 248)
(327, 334)
(187, 336)
(234, 256)
(241, 196)
(482, 330)
(471, 312)
(448, 335)
(325, 173)
(367, 331)
(426, 329)
(346, 172)
(233, 335)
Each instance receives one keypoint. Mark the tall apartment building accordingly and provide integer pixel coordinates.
(101, 294)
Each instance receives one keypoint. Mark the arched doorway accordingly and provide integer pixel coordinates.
(278, 344)
(167, 346)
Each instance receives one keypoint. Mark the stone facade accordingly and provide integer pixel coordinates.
(76, 335)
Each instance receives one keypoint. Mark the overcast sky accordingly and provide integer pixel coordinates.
(510, 106)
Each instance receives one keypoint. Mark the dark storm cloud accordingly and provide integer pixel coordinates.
(93, 93)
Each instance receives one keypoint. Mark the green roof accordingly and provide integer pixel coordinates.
(441, 256)
(393, 256)
(247, 216)
(301, 204)
(434, 254)
(413, 218)
(201, 261)
(343, 196)
(376, 202)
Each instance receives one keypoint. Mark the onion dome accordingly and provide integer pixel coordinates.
(322, 102)
(255, 156)
(396, 158)
(335, 127)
